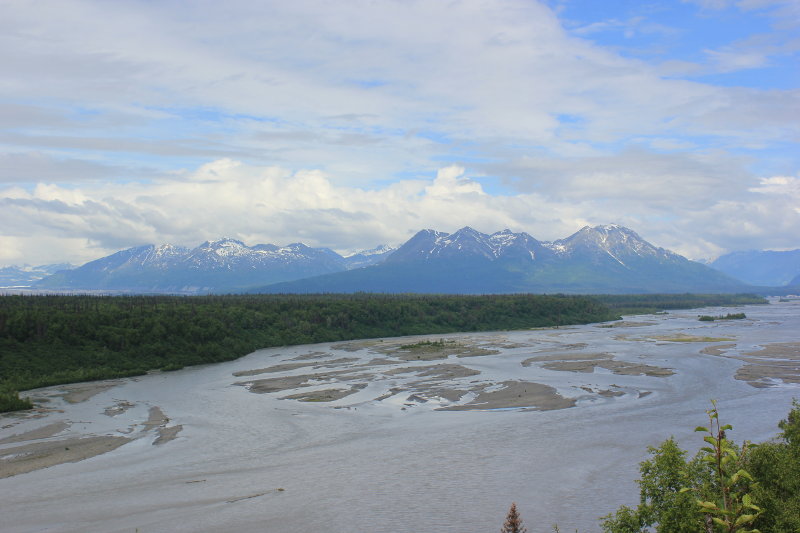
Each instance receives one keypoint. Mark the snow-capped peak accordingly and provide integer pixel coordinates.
(468, 242)
(611, 240)
(378, 250)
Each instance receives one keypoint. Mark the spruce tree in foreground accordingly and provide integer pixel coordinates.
(513, 522)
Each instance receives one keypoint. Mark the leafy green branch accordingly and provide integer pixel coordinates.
(732, 510)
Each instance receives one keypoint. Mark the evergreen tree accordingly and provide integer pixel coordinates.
(513, 522)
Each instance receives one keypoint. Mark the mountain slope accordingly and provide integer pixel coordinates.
(603, 259)
(369, 257)
(221, 265)
(25, 276)
(768, 268)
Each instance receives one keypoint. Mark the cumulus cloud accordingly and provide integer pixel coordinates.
(261, 204)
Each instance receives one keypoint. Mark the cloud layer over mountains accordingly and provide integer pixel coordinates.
(132, 122)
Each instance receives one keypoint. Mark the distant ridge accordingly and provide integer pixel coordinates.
(25, 276)
(223, 265)
(766, 267)
(600, 259)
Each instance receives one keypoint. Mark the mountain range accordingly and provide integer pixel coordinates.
(761, 267)
(222, 265)
(26, 275)
(601, 259)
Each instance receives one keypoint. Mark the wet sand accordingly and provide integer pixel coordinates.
(166, 434)
(325, 395)
(35, 434)
(280, 384)
(773, 363)
(682, 337)
(80, 392)
(442, 384)
(588, 362)
(626, 324)
(44, 446)
(717, 350)
(36, 455)
(294, 366)
(516, 394)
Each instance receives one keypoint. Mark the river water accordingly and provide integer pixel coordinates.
(381, 460)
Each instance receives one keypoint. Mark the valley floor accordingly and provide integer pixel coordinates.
(436, 432)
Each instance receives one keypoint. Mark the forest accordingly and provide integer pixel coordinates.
(55, 339)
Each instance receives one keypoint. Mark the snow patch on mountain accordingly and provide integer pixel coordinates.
(468, 243)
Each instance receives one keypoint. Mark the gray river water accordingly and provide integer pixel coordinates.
(379, 460)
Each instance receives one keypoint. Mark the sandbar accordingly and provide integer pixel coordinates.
(682, 337)
(166, 434)
(435, 372)
(285, 367)
(626, 324)
(326, 395)
(440, 350)
(587, 363)
(39, 433)
(37, 455)
(118, 408)
(783, 350)
(774, 362)
(279, 384)
(516, 394)
(717, 350)
(80, 392)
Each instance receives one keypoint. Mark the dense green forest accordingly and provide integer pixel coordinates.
(54, 339)
(631, 304)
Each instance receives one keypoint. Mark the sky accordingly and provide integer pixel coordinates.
(357, 123)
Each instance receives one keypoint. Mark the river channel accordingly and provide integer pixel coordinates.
(419, 434)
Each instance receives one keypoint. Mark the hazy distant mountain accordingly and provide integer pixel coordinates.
(25, 276)
(368, 257)
(603, 259)
(221, 265)
(768, 268)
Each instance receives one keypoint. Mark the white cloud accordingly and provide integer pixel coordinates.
(449, 183)
(371, 98)
(782, 185)
(467, 71)
(273, 205)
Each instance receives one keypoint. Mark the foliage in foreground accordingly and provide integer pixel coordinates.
(724, 488)
(513, 523)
